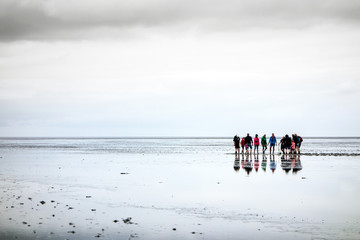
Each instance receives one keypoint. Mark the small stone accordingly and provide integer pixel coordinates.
(174, 229)
(42, 202)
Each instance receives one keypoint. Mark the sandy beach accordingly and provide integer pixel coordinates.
(64, 193)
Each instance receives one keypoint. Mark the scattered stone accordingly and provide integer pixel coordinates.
(98, 235)
(174, 229)
(72, 232)
(128, 220)
(21, 203)
(124, 173)
(193, 232)
(52, 201)
(24, 223)
(88, 196)
(53, 215)
(42, 202)
(303, 178)
(71, 224)
(93, 210)
(116, 221)
(70, 208)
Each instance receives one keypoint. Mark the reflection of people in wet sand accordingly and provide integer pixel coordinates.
(256, 162)
(272, 163)
(297, 166)
(264, 163)
(248, 164)
(285, 163)
(237, 162)
(242, 161)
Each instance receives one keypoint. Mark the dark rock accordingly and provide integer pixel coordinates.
(42, 202)
(128, 220)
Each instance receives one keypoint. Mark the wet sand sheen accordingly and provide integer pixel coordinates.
(178, 196)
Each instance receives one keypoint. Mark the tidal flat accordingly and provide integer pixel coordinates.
(55, 189)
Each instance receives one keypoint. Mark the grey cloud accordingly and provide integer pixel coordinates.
(21, 20)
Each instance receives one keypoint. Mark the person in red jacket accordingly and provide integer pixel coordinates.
(242, 143)
(256, 143)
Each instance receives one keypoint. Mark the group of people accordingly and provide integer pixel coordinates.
(287, 144)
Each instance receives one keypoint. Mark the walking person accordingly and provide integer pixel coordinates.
(297, 143)
(300, 141)
(256, 143)
(282, 145)
(249, 143)
(272, 143)
(264, 143)
(242, 144)
(287, 144)
(236, 141)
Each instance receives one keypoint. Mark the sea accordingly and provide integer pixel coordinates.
(167, 145)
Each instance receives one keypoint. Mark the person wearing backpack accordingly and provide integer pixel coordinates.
(264, 143)
(297, 143)
(272, 143)
(236, 141)
(300, 141)
(287, 144)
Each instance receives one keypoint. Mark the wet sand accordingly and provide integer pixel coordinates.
(54, 195)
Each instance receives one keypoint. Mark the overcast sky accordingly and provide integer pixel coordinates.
(179, 68)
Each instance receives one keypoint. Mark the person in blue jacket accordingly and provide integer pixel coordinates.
(272, 143)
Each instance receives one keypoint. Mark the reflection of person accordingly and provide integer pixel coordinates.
(236, 141)
(256, 162)
(264, 143)
(272, 142)
(264, 163)
(297, 166)
(285, 163)
(249, 142)
(272, 163)
(248, 165)
(237, 162)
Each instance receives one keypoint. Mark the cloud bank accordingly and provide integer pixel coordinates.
(57, 19)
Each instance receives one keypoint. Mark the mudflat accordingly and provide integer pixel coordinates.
(63, 194)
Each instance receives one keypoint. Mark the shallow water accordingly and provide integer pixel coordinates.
(176, 189)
